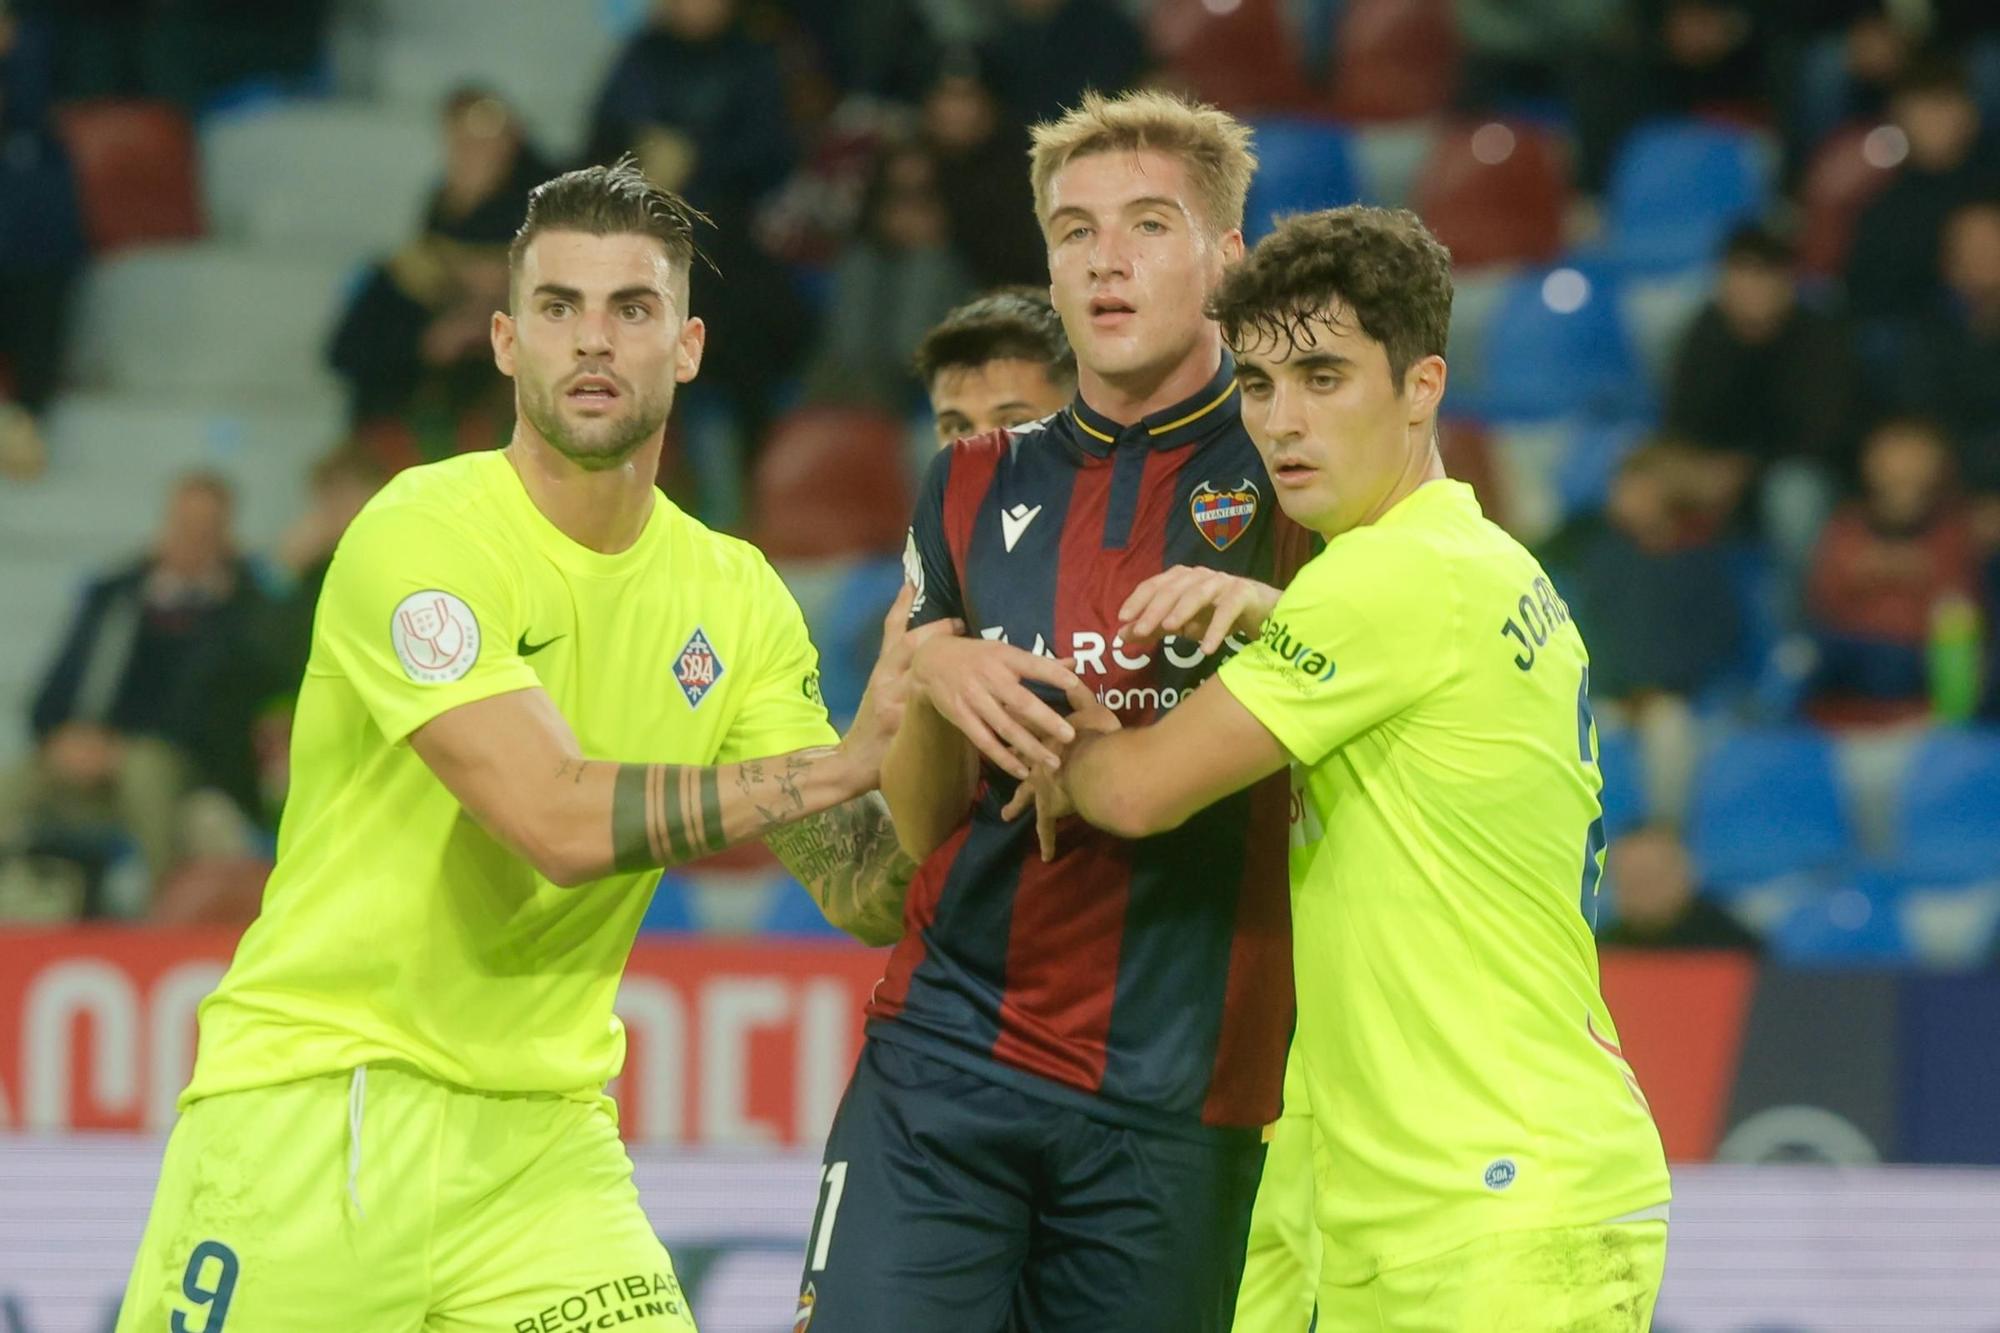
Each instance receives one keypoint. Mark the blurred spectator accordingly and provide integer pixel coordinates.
(1892, 269)
(702, 103)
(1886, 567)
(1526, 50)
(187, 51)
(1044, 54)
(1951, 369)
(1761, 376)
(1655, 597)
(42, 243)
(1839, 61)
(413, 343)
(999, 360)
(1673, 58)
(121, 721)
(255, 687)
(897, 278)
(878, 48)
(980, 160)
(1658, 904)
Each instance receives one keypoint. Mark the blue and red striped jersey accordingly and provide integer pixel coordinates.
(1152, 977)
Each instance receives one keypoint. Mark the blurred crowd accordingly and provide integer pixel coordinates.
(1805, 523)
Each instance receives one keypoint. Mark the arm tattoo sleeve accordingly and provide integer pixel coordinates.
(849, 860)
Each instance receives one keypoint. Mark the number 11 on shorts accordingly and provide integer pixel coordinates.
(833, 1180)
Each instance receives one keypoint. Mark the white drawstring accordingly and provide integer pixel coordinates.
(357, 1097)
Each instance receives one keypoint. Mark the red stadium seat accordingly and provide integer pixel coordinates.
(1234, 53)
(1846, 171)
(832, 481)
(1494, 194)
(136, 171)
(1394, 59)
(1467, 452)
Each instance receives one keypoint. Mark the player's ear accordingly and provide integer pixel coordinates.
(688, 348)
(1423, 387)
(502, 337)
(1232, 245)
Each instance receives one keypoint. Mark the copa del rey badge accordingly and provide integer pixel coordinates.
(1223, 515)
(697, 668)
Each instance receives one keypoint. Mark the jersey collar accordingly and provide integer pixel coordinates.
(1208, 407)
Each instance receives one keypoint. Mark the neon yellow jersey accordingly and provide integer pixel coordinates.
(394, 928)
(1463, 1071)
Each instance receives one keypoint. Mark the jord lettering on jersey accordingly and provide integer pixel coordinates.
(1539, 613)
(622, 1300)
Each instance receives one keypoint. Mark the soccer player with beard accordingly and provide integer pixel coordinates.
(1055, 1122)
(397, 1117)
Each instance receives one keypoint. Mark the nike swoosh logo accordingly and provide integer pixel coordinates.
(526, 649)
(1014, 522)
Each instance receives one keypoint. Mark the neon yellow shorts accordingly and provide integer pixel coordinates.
(1281, 1262)
(1593, 1279)
(388, 1201)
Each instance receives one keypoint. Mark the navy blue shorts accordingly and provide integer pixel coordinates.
(950, 1201)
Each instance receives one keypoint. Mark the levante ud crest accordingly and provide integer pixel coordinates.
(1222, 516)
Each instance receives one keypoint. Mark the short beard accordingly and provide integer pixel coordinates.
(548, 423)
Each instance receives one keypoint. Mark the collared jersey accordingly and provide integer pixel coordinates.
(394, 927)
(1150, 979)
(1463, 1070)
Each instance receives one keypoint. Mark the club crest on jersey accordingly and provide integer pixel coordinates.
(697, 668)
(803, 1316)
(1222, 516)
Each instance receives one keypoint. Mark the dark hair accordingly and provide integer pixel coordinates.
(610, 201)
(1380, 267)
(1759, 244)
(207, 479)
(1005, 324)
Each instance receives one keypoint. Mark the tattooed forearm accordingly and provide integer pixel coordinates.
(849, 861)
(669, 814)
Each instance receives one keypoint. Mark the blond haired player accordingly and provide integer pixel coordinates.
(1485, 1158)
(397, 1117)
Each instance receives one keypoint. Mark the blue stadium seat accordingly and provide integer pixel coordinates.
(1856, 924)
(1678, 187)
(1595, 450)
(1302, 165)
(1556, 346)
(793, 912)
(1947, 818)
(670, 909)
(1766, 805)
(1624, 781)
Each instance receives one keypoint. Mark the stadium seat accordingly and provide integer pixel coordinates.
(136, 171)
(1394, 59)
(1947, 816)
(1239, 56)
(1302, 165)
(1845, 926)
(1846, 171)
(669, 909)
(1556, 346)
(1678, 187)
(1388, 158)
(1624, 795)
(1657, 309)
(1590, 460)
(831, 482)
(208, 320)
(1494, 194)
(843, 602)
(793, 912)
(343, 179)
(1767, 804)
(1952, 925)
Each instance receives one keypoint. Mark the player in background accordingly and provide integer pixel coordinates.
(1000, 360)
(1055, 1121)
(397, 1117)
(1486, 1158)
